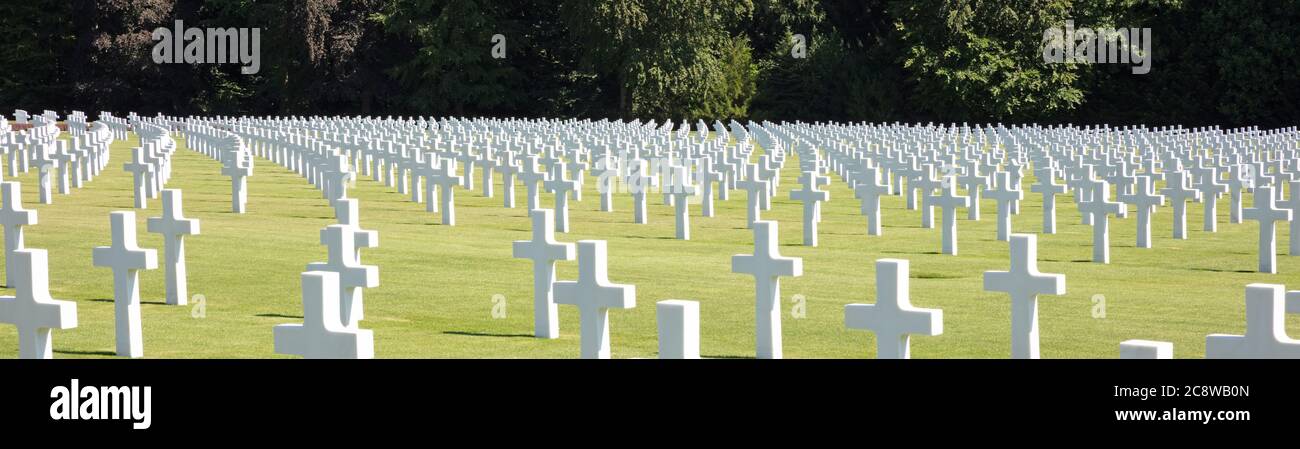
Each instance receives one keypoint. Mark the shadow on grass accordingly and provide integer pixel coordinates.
(152, 303)
(909, 252)
(278, 315)
(71, 352)
(1220, 270)
(727, 357)
(923, 275)
(487, 334)
(655, 237)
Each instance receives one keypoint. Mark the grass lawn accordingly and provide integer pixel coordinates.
(437, 282)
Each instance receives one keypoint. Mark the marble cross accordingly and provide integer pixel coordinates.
(31, 308)
(1049, 188)
(1267, 215)
(681, 191)
(126, 259)
(340, 244)
(1005, 194)
(322, 335)
(767, 265)
(754, 188)
(544, 251)
(1177, 191)
(1210, 188)
(140, 172)
(949, 201)
(812, 199)
(1024, 283)
(869, 190)
(13, 217)
(1100, 207)
(1292, 204)
(174, 227)
(1266, 336)
(594, 295)
(1144, 199)
(560, 185)
(893, 318)
(446, 179)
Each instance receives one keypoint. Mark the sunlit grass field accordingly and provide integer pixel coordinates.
(437, 283)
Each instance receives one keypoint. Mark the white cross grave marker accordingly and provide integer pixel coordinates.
(767, 265)
(948, 201)
(812, 200)
(680, 191)
(174, 227)
(1292, 205)
(1210, 188)
(892, 317)
(13, 217)
(322, 335)
(1178, 193)
(126, 259)
(1024, 283)
(446, 179)
(560, 185)
(1146, 201)
(31, 308)
(1049, 188)
(594, 295)
(543, 250)
(1268, 216)
(1099, 207)
(869, 190)
(753, 188)
(340, 244)
(1265, 336)
(1005, 194)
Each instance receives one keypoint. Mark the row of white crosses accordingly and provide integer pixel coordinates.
(36, 314)
(311, 156)
(876, 166)
(893, 319)
(73, 162)
(228, 148)
(399, 156)
(77, 161)
(332, 290)
(1024, 302)
(24, 148)
(592, 292)
(332, 295)
(32, 310)
(126, 259)
(77, 123)
(150, 164)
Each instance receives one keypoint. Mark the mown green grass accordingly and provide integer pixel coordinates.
(437, 282)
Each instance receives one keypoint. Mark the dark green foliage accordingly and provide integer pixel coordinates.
(1228, 63)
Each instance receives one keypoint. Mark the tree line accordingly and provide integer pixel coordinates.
(1213, 63)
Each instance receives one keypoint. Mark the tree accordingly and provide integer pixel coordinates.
(664, 58)
(452, 70)
(982, 59)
